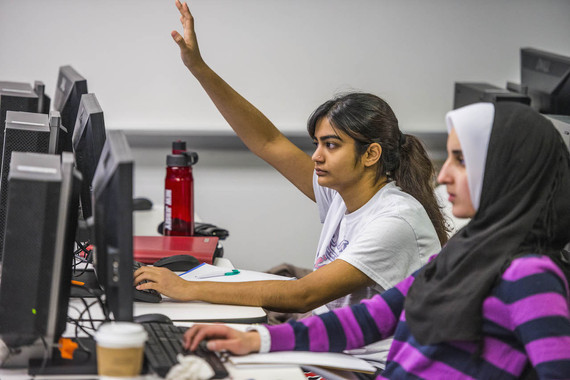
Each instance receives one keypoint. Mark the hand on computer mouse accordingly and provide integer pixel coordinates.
(164, 281)
(179, 263)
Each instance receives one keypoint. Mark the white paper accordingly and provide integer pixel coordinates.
(207, 272)
(323, 359)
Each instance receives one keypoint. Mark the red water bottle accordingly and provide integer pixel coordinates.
(179, 194)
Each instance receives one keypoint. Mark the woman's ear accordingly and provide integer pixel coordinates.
(372, 154)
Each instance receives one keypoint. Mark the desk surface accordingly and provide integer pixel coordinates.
(180, 313)
(193, 311)
(251, 373)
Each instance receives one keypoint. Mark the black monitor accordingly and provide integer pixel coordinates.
(39, 242)
(113, 225)
(546, 76)
(473, 92)
(88, 141)
(69, 89)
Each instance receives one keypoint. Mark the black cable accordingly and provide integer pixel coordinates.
(46, 355)
(83, 248)
(86, 258)
(87, 307)
(79, 325)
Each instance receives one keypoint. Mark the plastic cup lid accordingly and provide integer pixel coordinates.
(120, 334)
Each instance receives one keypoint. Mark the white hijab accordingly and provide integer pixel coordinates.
(473, 124)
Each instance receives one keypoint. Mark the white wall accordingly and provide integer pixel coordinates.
(269, 220)
(285, 56)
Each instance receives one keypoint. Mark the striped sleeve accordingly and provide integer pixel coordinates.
(345, 328)
(536, 295)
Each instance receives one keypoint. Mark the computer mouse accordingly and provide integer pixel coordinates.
(141, 204)
(152, 317)
(177, 263)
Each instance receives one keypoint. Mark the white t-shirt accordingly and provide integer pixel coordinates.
(387, 239)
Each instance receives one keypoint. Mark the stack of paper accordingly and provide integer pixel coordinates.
(332, 360)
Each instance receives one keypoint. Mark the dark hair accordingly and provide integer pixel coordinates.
(368, 119)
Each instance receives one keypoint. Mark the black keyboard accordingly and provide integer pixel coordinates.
(165, 343)
(145, 295)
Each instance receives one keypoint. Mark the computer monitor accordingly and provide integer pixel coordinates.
(70, 87)
(39, 243)
(88, 141)
(546, 76)
(473, 92)
(113, 225)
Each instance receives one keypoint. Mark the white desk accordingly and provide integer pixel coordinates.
(182, 313)
(193, 311)
(252, 373)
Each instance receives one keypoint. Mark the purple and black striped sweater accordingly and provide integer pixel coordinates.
(526, 322)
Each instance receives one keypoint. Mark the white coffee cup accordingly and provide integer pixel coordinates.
(120, 349)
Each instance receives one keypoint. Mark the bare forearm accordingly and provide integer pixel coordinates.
(284, 296)
(253, 128)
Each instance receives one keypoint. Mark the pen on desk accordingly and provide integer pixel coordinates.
(232, 273)
(188, 271)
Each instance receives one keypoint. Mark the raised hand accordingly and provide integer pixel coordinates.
(188, 44)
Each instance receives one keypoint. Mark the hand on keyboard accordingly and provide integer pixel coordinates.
(146, 295)
(212, 358)
(165, 343)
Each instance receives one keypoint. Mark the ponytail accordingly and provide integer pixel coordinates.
(415, 175)
(367, 118)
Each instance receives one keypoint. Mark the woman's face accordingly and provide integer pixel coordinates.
(335, 157)
(454, 176)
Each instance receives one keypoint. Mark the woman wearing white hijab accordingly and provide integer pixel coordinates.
(494, 304)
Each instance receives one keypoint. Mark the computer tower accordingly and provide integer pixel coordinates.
(31, 223)
(25, 132)
(468, 93)
(16, 96)
(43, 196)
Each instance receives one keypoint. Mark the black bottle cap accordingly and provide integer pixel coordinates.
(176, 160)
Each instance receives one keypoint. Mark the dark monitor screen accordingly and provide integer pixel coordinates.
(70, 86)
(88, 141)
(113, 225)
(547, 79)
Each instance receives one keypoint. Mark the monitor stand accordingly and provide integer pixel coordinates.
(83, 363)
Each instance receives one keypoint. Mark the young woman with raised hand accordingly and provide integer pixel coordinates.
(494, 303)
(372, 185)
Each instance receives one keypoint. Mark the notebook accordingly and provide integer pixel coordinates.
(149, 249)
